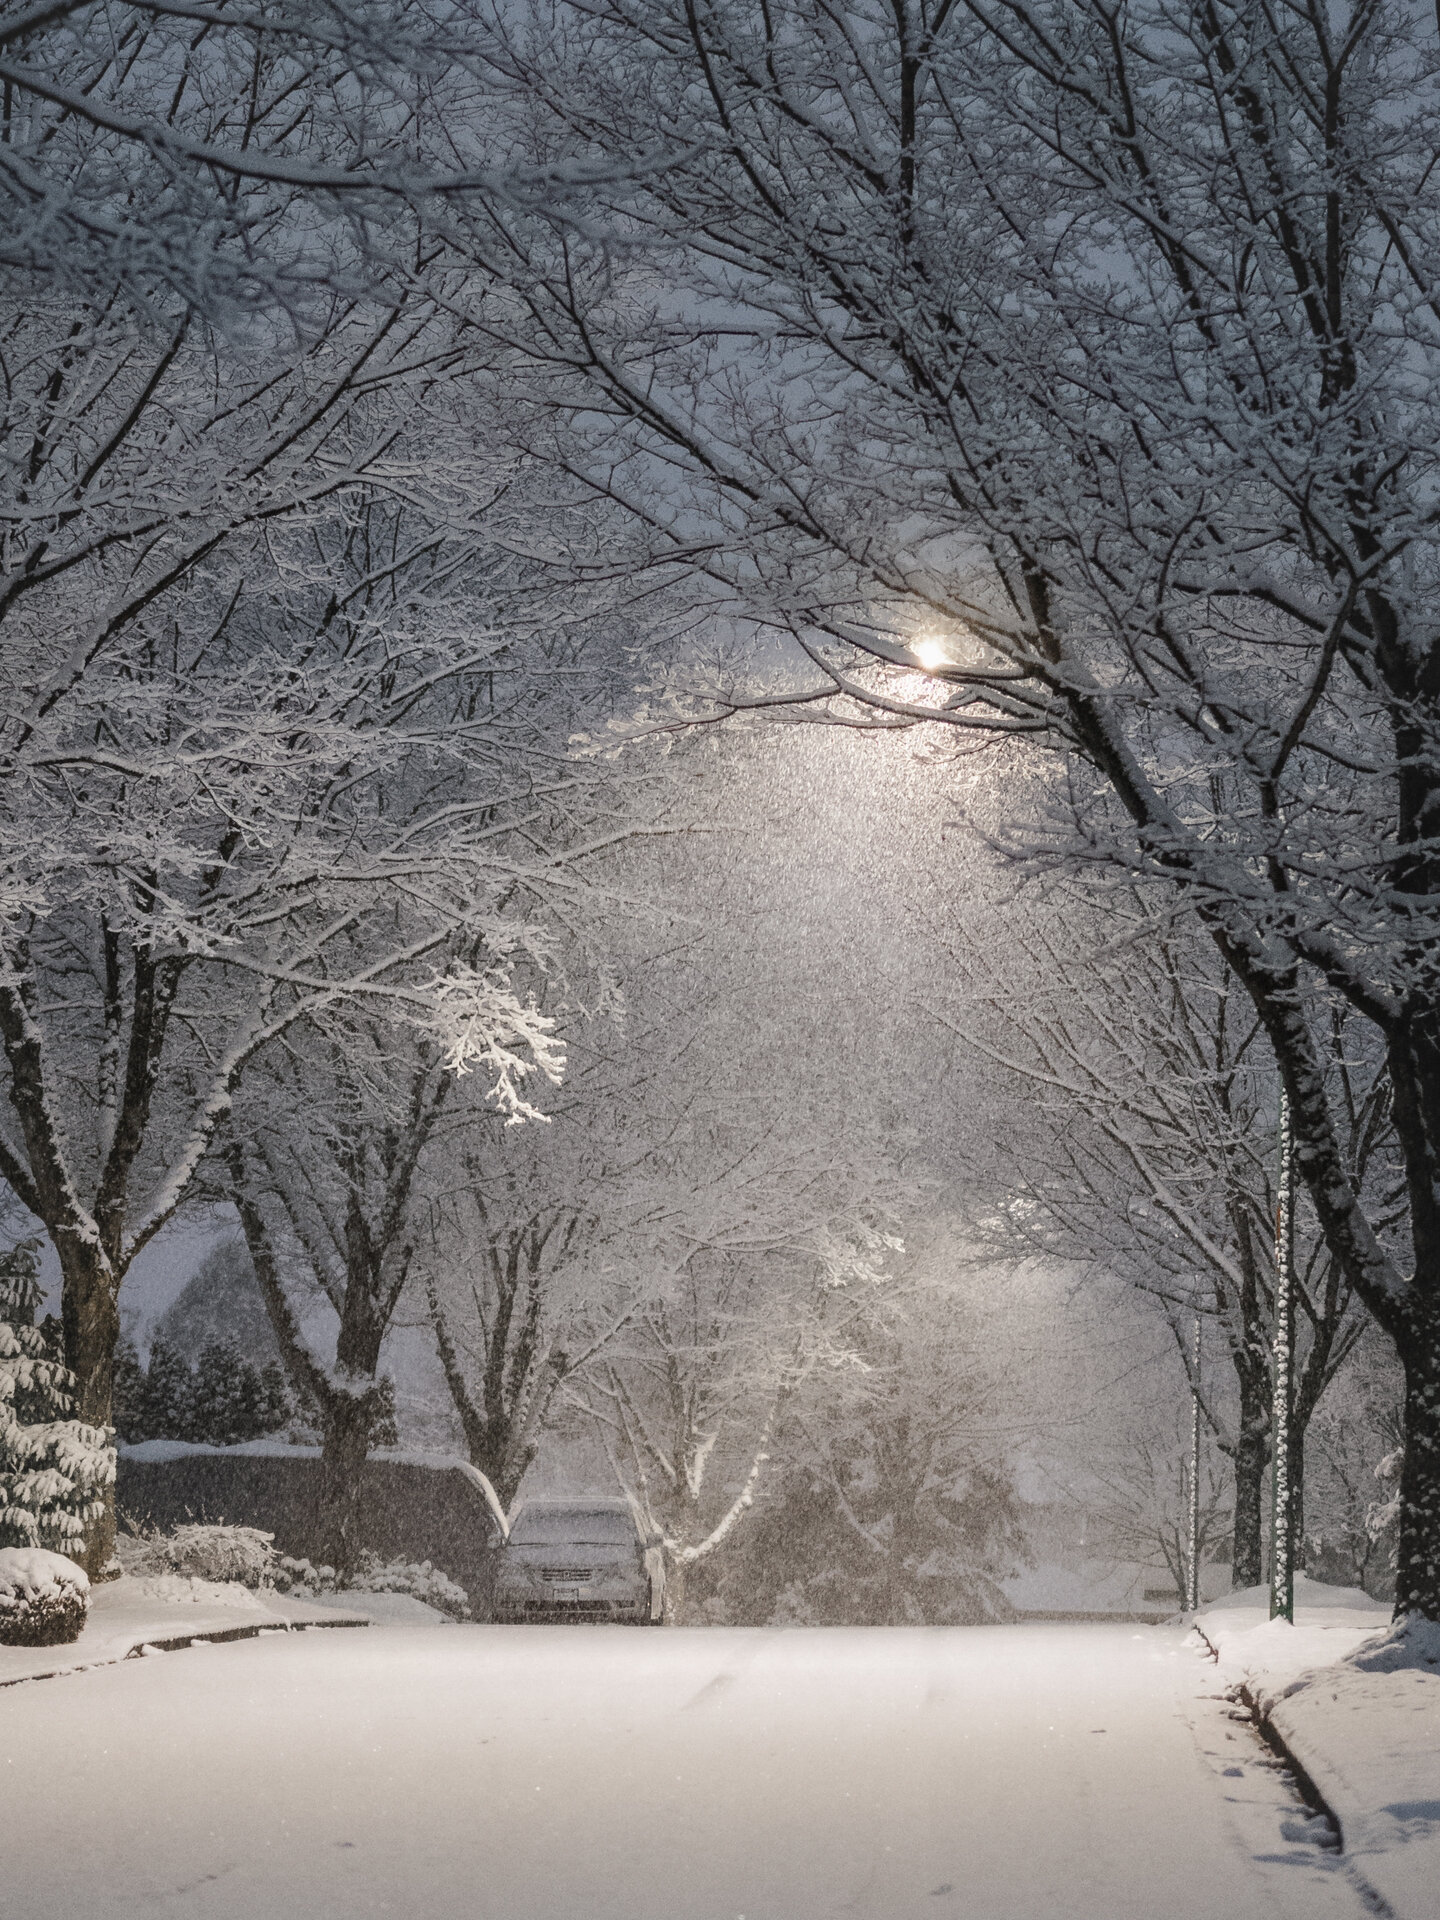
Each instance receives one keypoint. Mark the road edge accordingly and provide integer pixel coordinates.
(134, 1646)
(1304, 1780)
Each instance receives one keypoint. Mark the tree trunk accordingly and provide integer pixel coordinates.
(347, 1419)
(1417, 1573)
(673, 1609)
(91, 1322)
(1409, 1311)
(1414, 1057)
(496, 1425)
(1252, 1457)
(1297, 1492)
(348, 1413)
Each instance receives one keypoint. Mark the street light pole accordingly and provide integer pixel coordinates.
(1192, 1583)
(1282, 1542)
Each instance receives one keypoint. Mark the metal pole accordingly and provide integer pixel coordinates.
(1282, 1543)
(1192, 1593)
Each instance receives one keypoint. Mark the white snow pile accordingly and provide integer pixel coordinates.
(1356, 1702)
(186, 1590)
(1411, 1646)
(44, 1598)
(1272, 1657)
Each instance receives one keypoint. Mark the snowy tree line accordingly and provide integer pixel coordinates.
(294, 637)
(1147, 1150)
(220, 1401)
(1136, 474)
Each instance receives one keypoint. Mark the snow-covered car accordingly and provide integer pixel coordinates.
(580, 1558)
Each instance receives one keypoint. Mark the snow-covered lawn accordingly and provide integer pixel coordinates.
(130, 1613)
(1364, 1726)
(602, 1773)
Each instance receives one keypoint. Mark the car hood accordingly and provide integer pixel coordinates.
(609, 1555)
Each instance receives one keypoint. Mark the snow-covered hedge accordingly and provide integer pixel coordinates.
(242, 1554)
(44, 1598)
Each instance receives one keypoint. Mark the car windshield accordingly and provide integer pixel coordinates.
(572, 1526)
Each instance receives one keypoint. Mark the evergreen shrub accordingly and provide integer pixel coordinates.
(54, 1471)
(44, 1598)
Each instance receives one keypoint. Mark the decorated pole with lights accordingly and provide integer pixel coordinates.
(1192, 1577)
(1282, 1542)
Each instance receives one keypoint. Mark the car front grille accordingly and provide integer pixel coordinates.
(567, 1576)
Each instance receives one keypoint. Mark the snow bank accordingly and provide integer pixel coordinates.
(190, 1590)
(1311, 1597)
(163, 1610)
(1356, 1702)
(43, 1598)
(1411, 1645)
(382, 1609)
(1330, 1622)
(1096, 1589)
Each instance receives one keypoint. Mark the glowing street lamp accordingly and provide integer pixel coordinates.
(932, 652)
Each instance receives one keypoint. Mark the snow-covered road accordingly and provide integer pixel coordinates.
(595, 1773)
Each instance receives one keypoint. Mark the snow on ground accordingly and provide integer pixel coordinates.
(133, 1611)
(609, 1773)
(1368, 1739)
(382, 1609)
(1091, 1589)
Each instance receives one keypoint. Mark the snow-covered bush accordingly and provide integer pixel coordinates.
(242, 1554)
(53, 1470)
(44, 1598)
(417, 1577)
(303, 1576)
(374, 1575)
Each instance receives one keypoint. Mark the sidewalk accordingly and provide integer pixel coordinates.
(166, 1612)
(1356, 1706)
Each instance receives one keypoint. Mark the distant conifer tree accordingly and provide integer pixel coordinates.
(169, 1403)
(217, 1396)
(277, 1405)
(232, 1400)
(383, 1429)
(128, 1403)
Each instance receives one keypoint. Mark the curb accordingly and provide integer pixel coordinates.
(176, 1643)
(214, 1639)
(1304, 1782)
